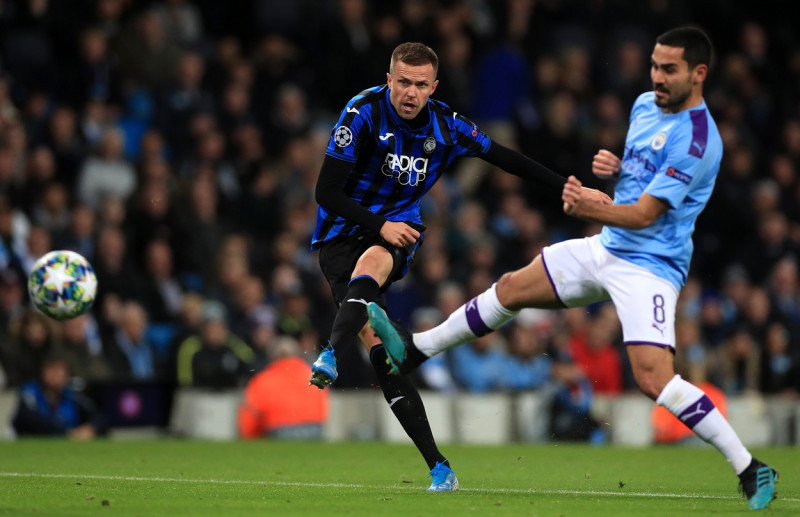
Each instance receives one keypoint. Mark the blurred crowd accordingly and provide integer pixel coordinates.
(176, 145)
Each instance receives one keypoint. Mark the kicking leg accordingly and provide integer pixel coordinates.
(526, 287)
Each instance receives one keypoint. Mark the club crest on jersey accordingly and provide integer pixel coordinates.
(658, 141)
(678, 175)
(407, 170)
(429, 145)
(342, 136)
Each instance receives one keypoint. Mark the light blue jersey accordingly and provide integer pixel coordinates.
(674, 157)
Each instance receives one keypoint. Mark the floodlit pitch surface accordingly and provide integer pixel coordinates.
(189, 478)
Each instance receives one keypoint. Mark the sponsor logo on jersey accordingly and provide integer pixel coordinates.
(678, 175)
(342, 136)
(386, 136)
(353, 110)
(407, 170)
(658, 141)
(631, 155)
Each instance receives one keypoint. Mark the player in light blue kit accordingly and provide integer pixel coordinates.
(640, 260)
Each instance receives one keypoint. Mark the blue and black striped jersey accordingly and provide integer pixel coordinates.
(394, 165)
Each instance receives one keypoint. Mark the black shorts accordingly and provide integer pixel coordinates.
(338, 259)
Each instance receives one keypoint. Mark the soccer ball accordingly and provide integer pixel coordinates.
(62, 284)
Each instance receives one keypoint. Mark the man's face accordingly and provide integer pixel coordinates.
(672, 79)
(55, 375)
(410, 88)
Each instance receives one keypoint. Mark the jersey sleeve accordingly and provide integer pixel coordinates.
(470, 140)
(679, 171)
(350, 132)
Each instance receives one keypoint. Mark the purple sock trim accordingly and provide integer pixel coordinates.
(474, 320)
(696, 411)
(552, 284)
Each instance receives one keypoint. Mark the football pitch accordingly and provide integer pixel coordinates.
(191, 478)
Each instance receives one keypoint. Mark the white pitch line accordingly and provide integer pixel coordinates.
(375, 487)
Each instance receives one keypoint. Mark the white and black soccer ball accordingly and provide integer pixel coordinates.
(62, 285)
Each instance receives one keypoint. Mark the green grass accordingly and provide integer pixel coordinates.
(187, 478)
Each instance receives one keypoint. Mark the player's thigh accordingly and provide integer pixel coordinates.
(375, 262)
(527, 287)
(564, 275)
(645, 303)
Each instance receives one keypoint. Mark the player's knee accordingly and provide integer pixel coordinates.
(527, 287)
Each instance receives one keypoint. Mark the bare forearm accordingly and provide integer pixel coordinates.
(621, 216)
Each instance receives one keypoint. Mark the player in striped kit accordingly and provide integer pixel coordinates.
(389, 146)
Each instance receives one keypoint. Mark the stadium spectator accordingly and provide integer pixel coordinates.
(107, 174)
(69, 148)
(527, 367)
(146, 52)
(115, 272)
(570, 408)
(215, 357)
(780, 364)
(81, 346)
(593, 349)
(127, 348)
(79, 236)
(277, 402)
(33, 337)
(13, 298)
(250, 307)
(161, 291)
(480, 365)
(48, 406)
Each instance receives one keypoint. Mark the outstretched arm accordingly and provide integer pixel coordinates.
(526, 168)
(520, 165)
(329, 194)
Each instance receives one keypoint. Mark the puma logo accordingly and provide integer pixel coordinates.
(700, 148)
(661, 330)
(698, 411)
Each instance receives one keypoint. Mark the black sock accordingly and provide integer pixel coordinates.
(407, 407)
(352, 315)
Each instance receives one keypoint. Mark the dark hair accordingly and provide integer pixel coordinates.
(414, 54)
(695, 43)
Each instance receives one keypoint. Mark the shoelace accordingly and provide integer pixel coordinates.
(439, 473)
